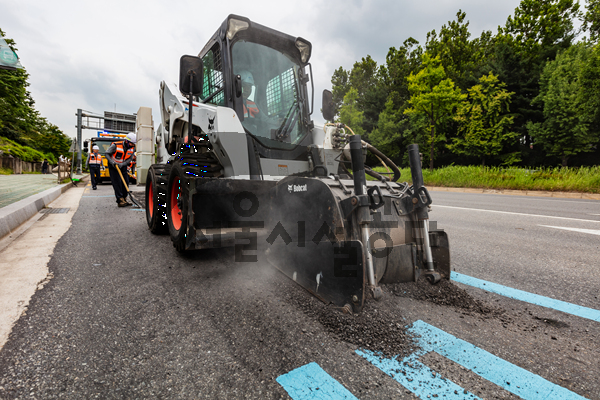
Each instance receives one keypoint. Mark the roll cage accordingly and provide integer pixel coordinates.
(222, 87)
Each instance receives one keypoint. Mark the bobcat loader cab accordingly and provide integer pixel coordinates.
(241, 164)
(281, 130)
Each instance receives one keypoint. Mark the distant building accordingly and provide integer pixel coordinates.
(116, 122)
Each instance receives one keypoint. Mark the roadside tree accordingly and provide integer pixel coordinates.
(591, 20)
(565, 131)
(434, 96)
(484, 123)
(350, 113)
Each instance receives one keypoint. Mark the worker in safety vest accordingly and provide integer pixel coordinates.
(93, 163)
(120, 155)
(250, 108)
(132, 166)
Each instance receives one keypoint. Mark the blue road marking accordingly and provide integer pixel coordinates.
(417, 377)
(514, 379)
(311, 382)
(569, 308)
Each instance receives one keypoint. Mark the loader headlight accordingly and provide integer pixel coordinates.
(236, 25)
(304, 47)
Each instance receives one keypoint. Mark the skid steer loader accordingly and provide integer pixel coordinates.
(241, 163)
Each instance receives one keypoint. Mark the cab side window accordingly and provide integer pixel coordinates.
(212, 91)
(281, 93)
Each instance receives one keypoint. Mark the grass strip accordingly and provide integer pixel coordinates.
(558, 179)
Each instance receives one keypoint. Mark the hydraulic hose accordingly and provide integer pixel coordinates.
(386, 161)
(382, 157)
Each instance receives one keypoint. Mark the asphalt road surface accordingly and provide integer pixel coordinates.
(126, 316)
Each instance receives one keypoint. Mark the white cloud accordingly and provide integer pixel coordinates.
(113, 54)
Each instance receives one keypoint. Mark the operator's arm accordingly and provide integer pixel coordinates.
(87, 162)
(110, 153)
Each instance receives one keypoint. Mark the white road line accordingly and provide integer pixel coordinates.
(561, 201)
(514, 213)
(590, 231)
(594, 214)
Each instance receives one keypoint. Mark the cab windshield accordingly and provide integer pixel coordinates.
(271, 92)
(103, 145)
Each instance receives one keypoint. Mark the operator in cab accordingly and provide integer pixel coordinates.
(120, 155)
(250, 108)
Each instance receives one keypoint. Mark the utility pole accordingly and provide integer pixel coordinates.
(79, 122)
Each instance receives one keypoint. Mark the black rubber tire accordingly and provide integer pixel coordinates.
(177, 207)
(155, 204)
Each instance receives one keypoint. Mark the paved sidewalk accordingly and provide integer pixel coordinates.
(19, 186)
(23, 195)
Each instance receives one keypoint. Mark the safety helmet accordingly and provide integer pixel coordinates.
(95, 147)
(247, 77)
(132, 137)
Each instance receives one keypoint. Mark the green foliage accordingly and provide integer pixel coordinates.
(558, 179)
(591, 20)
(434, 96)
(388, 136)
(364, 75)
(16, 104)
(52, 159)
(349, 113)
(396, 110)
(395, 131)
(20, 122)
(25, 153)
(590, 88)
(484, 123)
(366, 78)
(565, 130)
(458, 54)
(52, 141)
(541, 28)
(511, 69)
(340, 86)
(400, 63)
(534, 35)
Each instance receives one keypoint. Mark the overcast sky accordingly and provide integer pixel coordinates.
(111, 55)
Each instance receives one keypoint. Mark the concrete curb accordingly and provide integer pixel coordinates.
(14, 215)
(538, 193)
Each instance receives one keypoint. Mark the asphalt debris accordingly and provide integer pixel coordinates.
(444, 293)
(373, 329)
(552, 322)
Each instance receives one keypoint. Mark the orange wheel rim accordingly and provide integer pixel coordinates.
(151, 200)
(176, 216)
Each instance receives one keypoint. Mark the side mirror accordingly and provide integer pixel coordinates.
(190, 75)
(85, 146)
(327, 104)
(238, 86)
